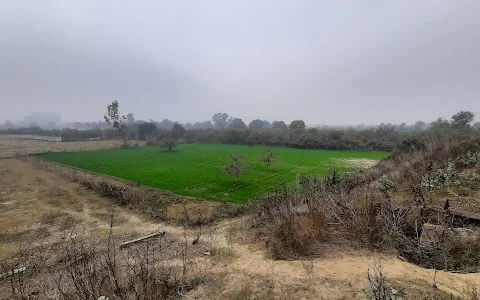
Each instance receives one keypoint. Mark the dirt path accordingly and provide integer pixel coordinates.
(39, 205)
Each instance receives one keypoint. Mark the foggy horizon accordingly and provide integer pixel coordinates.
(334, 63)
(246, 121)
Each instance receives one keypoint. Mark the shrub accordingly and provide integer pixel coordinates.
(297, 236)
(443, 177)
(380, 288)
(384, 184)
(469, 159)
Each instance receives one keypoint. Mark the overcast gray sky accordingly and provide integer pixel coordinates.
(334, 62)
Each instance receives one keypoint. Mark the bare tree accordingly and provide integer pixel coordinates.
(268, 158)
(169, 143)
(236, 166)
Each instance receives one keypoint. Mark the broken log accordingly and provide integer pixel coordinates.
(141, 239)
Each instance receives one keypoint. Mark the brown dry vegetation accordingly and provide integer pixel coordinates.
(9, 148)
(227, 259)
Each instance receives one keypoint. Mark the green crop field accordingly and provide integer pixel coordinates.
(194, 169)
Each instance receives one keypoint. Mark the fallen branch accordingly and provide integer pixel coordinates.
(13, 272)
(141, 239)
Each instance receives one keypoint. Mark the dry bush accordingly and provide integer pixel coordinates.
(151, 139)
(452, 254)
(309, 271)
(298, 236)
(84, 268)
(380, 288)
(18, 273)
(366, 216)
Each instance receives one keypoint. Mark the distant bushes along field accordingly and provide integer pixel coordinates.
(384, 137)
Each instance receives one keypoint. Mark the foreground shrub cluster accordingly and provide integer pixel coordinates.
(86, 268)
(358, 211)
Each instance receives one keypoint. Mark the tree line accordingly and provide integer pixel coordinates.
(224, 129)
(384, 137)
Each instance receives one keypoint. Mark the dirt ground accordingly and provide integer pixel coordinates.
(8, 148)
(37, 205)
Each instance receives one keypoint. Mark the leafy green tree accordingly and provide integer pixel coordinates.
(146, 128)
(257, 123)
(236, 167)
(237, 123)
(279, 125)
(462, 119)
(220, 120)
(269, 158)
(266, 124)
(297, 124)
(117, 121)
(476, 125)
(178, 131)
(439, 128)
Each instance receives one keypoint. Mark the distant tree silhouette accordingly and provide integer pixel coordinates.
(279, 125)
(220, 120)
(257, 123)
(462, 119)
(114, 118)
(237, 123)
(297, 124)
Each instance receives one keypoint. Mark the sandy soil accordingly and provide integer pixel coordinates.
(37, 205)
(8, 148)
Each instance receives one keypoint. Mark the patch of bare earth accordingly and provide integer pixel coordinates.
(40, 206)
(9, 148)
(357, 163)
(36, 204)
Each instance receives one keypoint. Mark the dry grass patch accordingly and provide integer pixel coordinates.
(61, 219)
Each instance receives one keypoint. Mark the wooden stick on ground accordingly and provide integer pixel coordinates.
(141, 239)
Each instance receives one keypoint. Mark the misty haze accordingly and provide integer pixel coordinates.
(227, 150)
(331, 62)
